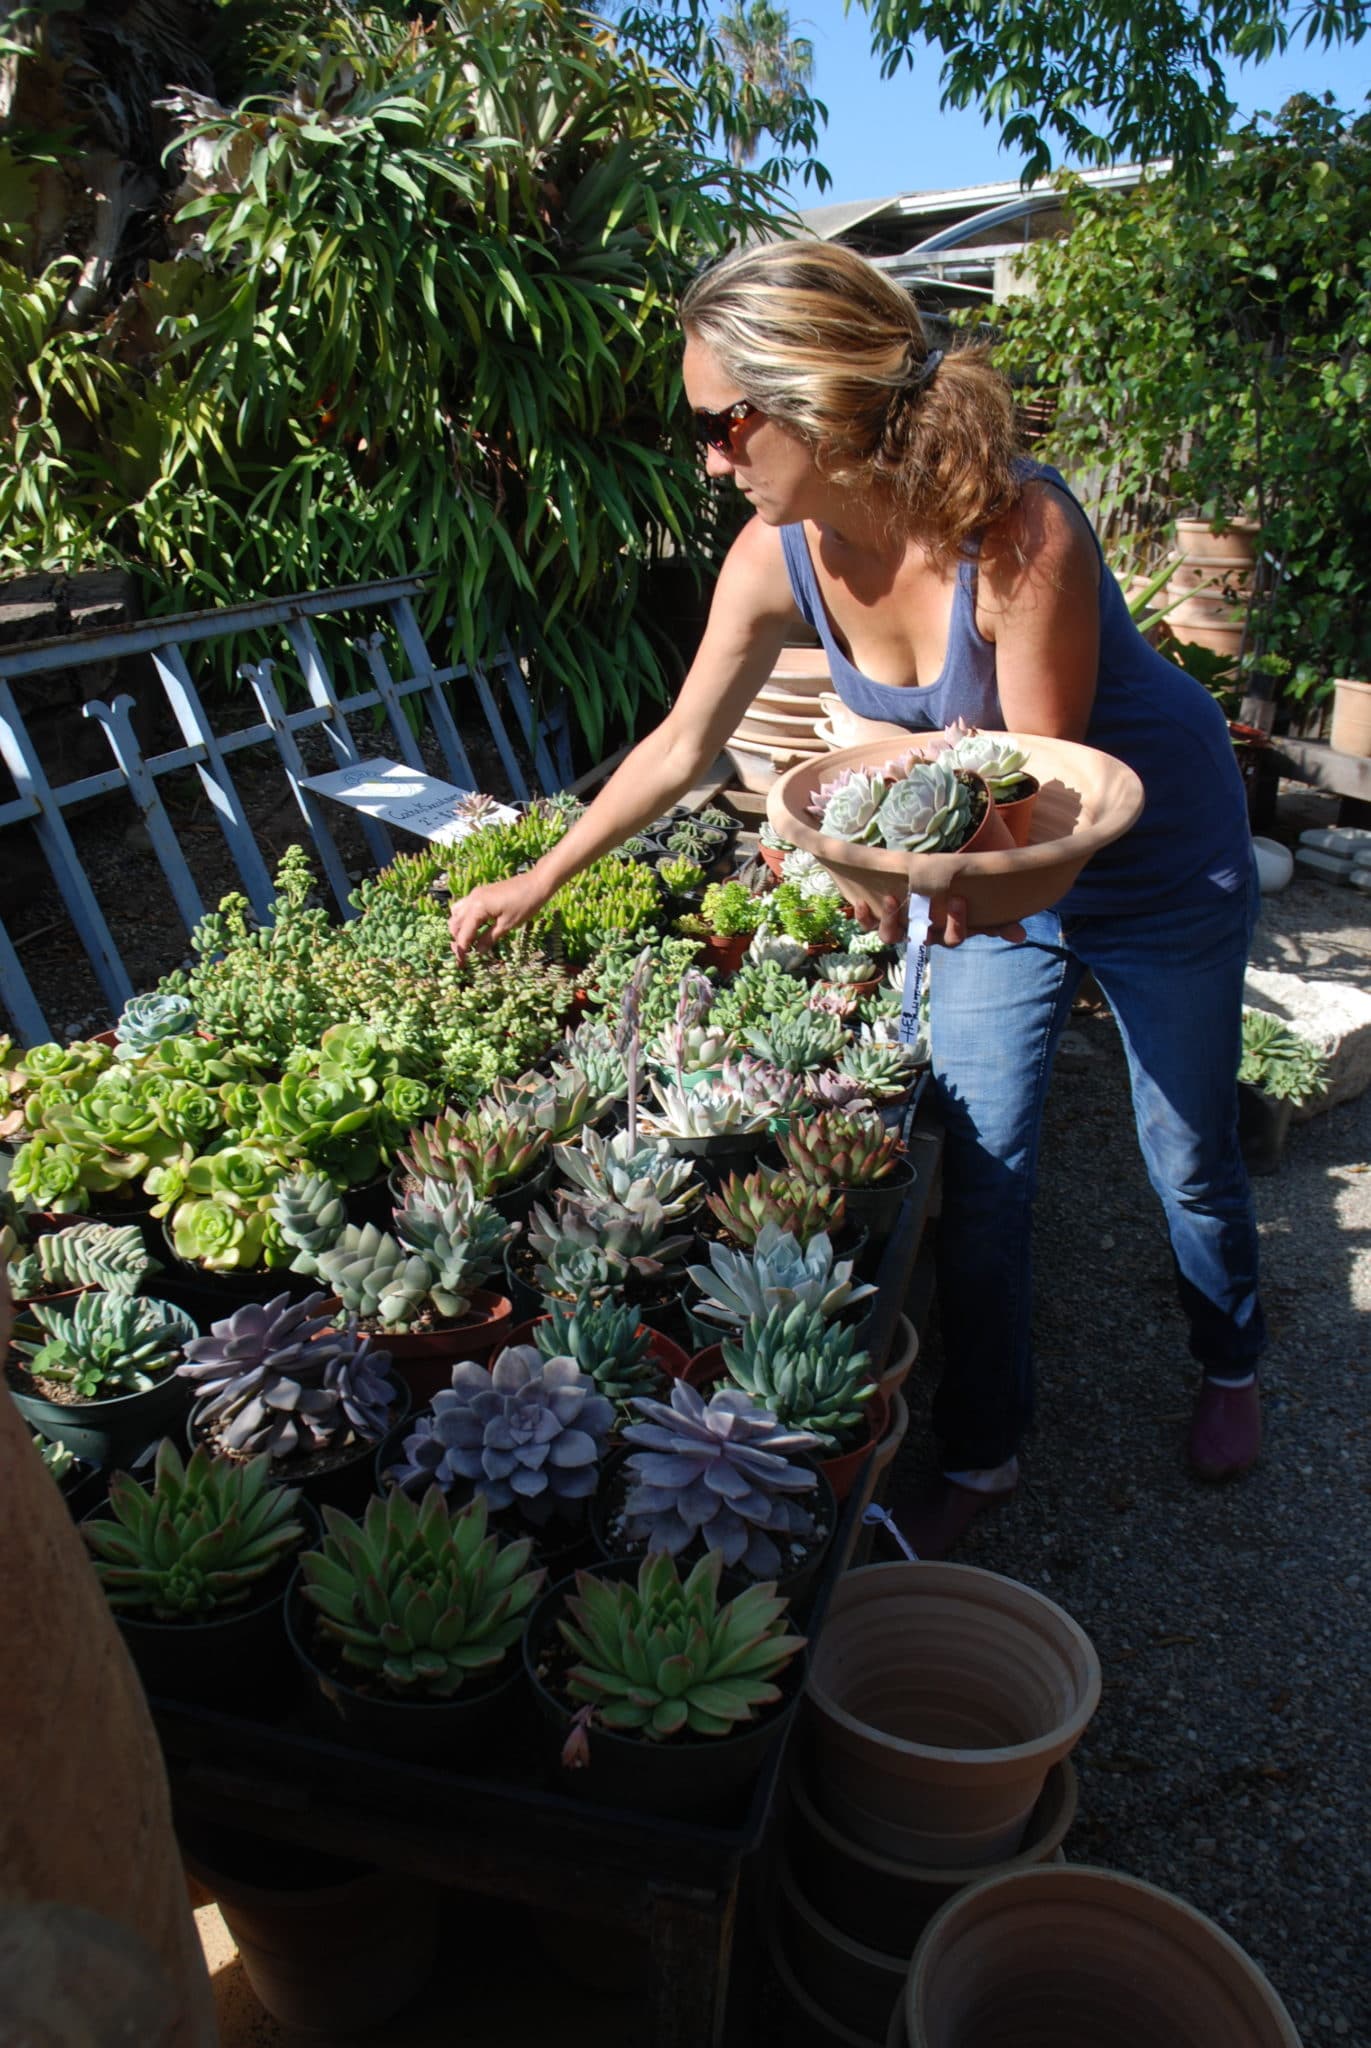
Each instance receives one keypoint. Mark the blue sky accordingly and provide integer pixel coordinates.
(888, 135)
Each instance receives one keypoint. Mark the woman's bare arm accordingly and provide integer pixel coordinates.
(751, 609)
(1039, 601)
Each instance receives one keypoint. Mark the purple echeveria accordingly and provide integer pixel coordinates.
(278, 1377)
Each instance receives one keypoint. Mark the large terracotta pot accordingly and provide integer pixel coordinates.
(85, 1816)
(1086, 800)
(939, 1698)
(1351, 728)
(1072, 1957)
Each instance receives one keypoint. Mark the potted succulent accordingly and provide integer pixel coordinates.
(719, 1474)
(1279, 1072)
(799, 1044)
(811, 1374)
(817, 918)
(594, 1245)
(622, 1355)
(500, 1153)
(280, 1378)
(600, 1167)
(405, 1622)
(709, 1122)
(777, 1271)
(684, 883)
(743, 1207)
(771, 848)
(858, 1155)
(63, 1263)
(728, 916)
(100, 1374)
(1003, 768)
(194, 1565)
(662, 1695)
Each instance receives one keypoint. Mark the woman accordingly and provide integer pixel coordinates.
(948, 578)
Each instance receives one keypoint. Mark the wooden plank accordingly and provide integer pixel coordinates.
(1315, 762)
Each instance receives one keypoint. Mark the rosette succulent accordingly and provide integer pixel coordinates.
(416, 1600)
(278, 1377)
(1001, 765)
(625, 1239)
(492, 1148)
(773, 1090)
(846, 969)
(778, 1272)
(928, 811)
(851, 810)
(562, 1103)
(217, 1233)
(746, 1207)
(881, 1070)
(48, 1174)
(798, 1043)
(808, 1372)
(375, 1278)
(145, 1020)
(702, 1112)
(105, 1345)
(612, 1166)
(459, 1237)
(774, 949)
(658, 1657)
(606, 1340)
(723, 1472)
(200, 1539)
(841, 1149)
(528, 1433)
(690, 1048)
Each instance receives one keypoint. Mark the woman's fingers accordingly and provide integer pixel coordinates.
(957, 926)
(471, 926)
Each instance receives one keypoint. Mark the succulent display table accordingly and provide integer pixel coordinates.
(499, 1830)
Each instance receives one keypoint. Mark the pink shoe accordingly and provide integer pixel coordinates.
(1225, 1431)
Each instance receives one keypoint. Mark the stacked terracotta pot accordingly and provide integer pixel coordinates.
(779, 728)
(1207, 595)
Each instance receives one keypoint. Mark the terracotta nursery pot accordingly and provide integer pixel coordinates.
(1017, 814)
(1072, 1957)
(939, 1699)
(1086, 800)
(904, 1350)
(424, 1359)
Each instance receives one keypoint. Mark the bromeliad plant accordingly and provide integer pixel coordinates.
(779, 1272)
(780, 1200)
(528, 1434)
(659, 1657)
(808, 1372)
(722, 1472)
(105, 1345)
(279, 1377)
(200, 1539)
(841, 1150)
(417, 1601)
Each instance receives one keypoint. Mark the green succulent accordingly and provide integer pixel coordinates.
(1001, 765)
(329, 1122)
(85, 1254)
(561, 1103)
(928, 811)
(702, 1112)
(79, 1063)
(494, 1149)
(105, 1344)
(760, 992)
(626, 1238)
(778, 1272)
(606, 1340)
(745, 1207)
(729, 908)
(816, 920)
(375, 1278)
(846, 969)
(681, 877)
(60, 1462)
(309, 1214)
(841, 1150)
(214, 1231)
(612, 1166)
(799, 1043)
(200, 1539)
(417, 1600)
(1278, 1061)
(460, 1238)
(241, 1176)
(808, 1372)
(660, 1658)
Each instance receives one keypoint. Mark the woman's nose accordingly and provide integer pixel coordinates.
(718, 462)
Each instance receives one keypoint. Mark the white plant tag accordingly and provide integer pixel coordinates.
(915, 967)
(877, 1517)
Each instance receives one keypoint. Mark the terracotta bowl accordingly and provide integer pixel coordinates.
(1086, 800)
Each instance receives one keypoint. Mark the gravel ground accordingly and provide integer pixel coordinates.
(1230, 1760)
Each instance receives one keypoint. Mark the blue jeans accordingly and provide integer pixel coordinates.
(1174, 981)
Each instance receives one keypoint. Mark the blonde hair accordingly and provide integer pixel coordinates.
(827, 346)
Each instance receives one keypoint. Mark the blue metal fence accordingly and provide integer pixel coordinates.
(427, 690)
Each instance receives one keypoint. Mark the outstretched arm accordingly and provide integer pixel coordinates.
(751, 609)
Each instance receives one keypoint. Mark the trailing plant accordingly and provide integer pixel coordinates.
(745, 1207)
(808, 1372)
(661, 1657)
(200, 1539)
(722, 1472)
(279, 1377)
(104, 1345)
(527, 1433)
(778, 1271)
(417, 1600)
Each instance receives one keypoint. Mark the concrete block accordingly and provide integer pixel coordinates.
(1327, 865)
(1334, 1015)
(1360, 877)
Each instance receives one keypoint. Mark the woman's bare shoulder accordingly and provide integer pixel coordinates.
(1043, 543)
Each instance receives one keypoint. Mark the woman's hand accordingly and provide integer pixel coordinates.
(893, 923)
(485, 915)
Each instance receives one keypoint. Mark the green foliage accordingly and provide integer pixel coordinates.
(104, 1345)
(1150, 78)
(412, 307)
(1209, 351)
(729, 908)
(810, 1374)
(83, 1255)
(200, 1539)
(1278, 1061)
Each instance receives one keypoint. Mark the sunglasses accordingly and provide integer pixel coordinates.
(715, 429)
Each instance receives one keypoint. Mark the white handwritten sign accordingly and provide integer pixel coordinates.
(406, 798)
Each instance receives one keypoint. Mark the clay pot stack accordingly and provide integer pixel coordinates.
(1213, 579)
(941, 1708)
(779, 728)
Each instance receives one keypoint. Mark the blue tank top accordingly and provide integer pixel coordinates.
(1192, 837)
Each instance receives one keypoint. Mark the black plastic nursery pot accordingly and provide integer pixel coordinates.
(238, 1663)
(707, 1779)
(727, 1152)
(876, 1208)
(107, 1433)
(1263, 1127)
(329, 1946)
(209, 1296)
(347, 1485)
(412, 1731)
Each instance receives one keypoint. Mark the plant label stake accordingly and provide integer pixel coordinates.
(915, 967)
(877, 1517)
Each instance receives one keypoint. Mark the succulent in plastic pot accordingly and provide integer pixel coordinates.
(200, 1539)
(416, 1600)
(84, 1254)
(779, 1272)
(279, 1377)
(105, 1345)
(614, 1166)
(807, 1371)
(723, 1471)
(603, 1243)
(799, 1043)
(844, 1150)
(529, 1433)
(745, 1206)
(658, 1656)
